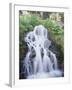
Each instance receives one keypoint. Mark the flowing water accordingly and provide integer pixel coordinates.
(40, 62)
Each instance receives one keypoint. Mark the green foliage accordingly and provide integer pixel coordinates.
(34, 20)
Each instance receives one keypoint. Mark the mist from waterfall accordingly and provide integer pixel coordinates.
(40, 62)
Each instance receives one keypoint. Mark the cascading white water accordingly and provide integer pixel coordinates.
(44, 63)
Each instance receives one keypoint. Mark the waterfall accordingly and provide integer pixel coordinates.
(43, 63)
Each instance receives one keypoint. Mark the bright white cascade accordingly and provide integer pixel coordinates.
(44, 63)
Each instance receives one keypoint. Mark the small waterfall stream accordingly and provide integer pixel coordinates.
(44, 63)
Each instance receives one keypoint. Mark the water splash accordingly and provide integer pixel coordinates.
(40, 62)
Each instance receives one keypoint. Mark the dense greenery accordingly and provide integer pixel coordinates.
(56, 33)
